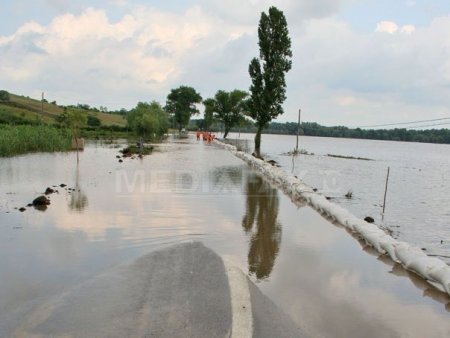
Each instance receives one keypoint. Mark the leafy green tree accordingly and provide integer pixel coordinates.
(149, 120)
(4, 96)
(268, 88)
(181, 103)
(209, 113)
(227, 107)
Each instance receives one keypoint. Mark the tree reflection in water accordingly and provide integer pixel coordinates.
(78, 200)
(260, 220)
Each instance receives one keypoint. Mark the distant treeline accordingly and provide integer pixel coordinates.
(398, 134)
(315, 129)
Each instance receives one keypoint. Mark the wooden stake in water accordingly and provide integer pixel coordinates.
(385, 190)
(298, 130)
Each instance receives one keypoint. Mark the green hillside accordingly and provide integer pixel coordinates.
(21, 109)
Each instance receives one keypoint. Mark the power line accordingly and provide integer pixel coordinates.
(404, 123)
(429, 125)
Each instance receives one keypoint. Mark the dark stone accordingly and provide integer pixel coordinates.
(22, 209)
(117, 156)
(369, 219)
(41, 200)
(49, 191)
(120, 161)
(29, 205)
(63, 185)
(40, 207)
(328, 197)
(315, 189)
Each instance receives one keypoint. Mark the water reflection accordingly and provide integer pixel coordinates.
(226, 179)
(78, 199)
(261, 221)
(428, 290)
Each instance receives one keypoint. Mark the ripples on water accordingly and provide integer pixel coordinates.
(418, 197)
(115, 212)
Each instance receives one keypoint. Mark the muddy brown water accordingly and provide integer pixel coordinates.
(328, 282)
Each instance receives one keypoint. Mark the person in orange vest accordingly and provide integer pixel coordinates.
(198, 135)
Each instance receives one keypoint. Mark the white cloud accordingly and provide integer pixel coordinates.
(339, 76)
(386, 27)
(407, 29)
(347, 78)
(248, 11)
(143, 52)
(347, 100)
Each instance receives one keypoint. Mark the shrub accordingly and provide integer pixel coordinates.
(93, 121)
(4, 96)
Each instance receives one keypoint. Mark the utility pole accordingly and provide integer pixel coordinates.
(42, 104)
(298, 130)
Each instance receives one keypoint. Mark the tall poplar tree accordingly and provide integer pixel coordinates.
(268, 88)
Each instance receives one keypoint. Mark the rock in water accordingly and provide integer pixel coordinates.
(369, 219)
(49, 191)
(22, 209)
(41, 200)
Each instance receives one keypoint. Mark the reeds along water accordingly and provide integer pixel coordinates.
(20, 139)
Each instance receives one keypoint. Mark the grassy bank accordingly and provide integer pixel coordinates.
(30, 110)
(21, 139)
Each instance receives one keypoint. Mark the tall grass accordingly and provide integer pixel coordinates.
(22, 139)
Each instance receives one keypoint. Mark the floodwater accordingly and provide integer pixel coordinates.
(418, 195)
(329, 283)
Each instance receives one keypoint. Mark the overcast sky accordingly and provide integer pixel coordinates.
(356, 62)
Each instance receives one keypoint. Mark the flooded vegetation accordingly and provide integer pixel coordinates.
(21, 139)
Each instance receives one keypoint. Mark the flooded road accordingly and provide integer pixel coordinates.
(329, 283)
(417, 201)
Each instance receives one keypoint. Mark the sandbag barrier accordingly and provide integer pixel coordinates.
(435, 271)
